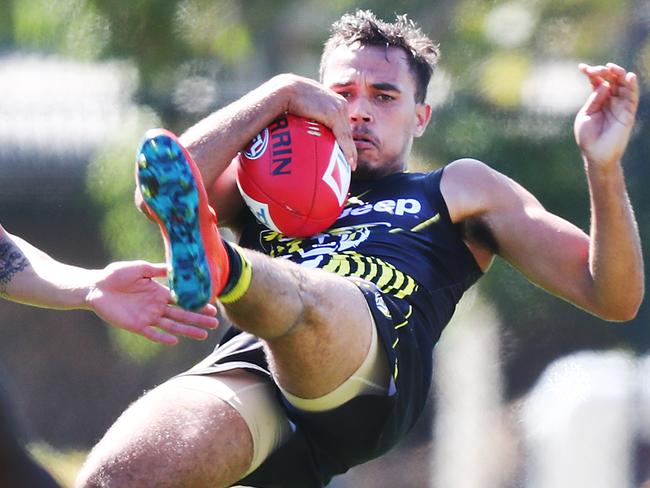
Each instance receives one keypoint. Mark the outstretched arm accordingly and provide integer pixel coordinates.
(602, 130)
(123, 294)
(601, 272)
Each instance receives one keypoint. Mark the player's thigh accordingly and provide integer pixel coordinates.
(330, 343)
(182, 433)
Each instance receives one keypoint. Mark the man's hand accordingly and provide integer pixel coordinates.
(603, 125)
(126, 296)
(308, 98)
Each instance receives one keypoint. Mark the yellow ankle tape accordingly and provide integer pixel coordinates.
(244, 282)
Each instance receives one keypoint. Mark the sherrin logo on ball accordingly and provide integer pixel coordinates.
(294, 177)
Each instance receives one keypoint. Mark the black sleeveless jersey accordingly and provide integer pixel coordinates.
(395, 232)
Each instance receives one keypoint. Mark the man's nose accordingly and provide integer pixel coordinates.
(359, 111)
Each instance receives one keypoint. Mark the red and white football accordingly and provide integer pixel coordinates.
(294, 177)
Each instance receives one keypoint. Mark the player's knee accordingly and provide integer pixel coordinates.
(302, 306)
(112, 470)
(317, 298)
(118, 462)
(97, 474)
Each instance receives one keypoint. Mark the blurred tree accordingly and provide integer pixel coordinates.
(126, 233)
(488, 117)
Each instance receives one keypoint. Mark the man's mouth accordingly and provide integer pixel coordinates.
(363, 141)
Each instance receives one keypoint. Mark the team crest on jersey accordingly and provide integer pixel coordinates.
(258, 145)
(337, 251)
(311, 252)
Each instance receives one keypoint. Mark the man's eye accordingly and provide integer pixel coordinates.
(385, 98)
(345, 94)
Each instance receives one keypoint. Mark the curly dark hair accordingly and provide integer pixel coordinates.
(365, 28)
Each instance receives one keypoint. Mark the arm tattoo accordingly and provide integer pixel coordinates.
(12, 261)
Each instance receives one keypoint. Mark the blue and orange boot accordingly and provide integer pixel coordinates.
(175, 198)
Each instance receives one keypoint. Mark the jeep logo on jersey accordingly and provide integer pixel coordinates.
(258, 145)
(337, 175)
(400, 206)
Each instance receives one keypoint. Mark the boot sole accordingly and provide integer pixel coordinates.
(169, 190)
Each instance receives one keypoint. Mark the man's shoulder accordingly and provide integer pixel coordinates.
(469, 187)
(466, 168)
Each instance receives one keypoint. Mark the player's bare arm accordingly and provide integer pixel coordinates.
(215, 141)
(601, 272)
(123, 294)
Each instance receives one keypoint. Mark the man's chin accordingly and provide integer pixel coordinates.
(366, 171)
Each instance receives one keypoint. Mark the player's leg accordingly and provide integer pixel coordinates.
(190, 431)
(316, 324)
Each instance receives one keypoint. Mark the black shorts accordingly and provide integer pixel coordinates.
(324, 444)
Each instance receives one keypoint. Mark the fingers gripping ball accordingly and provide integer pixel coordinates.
(294, 177)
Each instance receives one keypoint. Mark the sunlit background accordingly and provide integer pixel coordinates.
(530, 391)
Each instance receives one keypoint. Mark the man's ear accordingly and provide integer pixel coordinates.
(422, 118)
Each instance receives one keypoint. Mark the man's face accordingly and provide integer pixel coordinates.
(380, 90)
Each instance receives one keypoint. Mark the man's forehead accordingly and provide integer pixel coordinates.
(369, 60)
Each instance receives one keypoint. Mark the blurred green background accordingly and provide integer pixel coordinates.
(81, 80)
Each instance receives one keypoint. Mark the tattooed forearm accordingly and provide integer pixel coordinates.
(12, 261)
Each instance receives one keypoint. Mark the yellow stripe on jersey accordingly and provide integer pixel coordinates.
(344, 268)
(339, 264)
(409, 312)
(372, 272)
(294, 246)
(410, 288)
(361, 265)
(420, 226)
(387, 278)
(426, 223)
(356, 199)
(399, 281)
(407, 315)
(402, 324)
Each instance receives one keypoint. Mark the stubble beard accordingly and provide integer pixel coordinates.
(366, 170)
